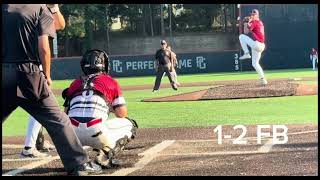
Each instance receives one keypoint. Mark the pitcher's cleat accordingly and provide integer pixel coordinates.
(262, 82)
(245, 56)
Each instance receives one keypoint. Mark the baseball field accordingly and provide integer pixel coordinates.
(180, 135)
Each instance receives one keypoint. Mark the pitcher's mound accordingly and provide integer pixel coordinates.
(244, 90)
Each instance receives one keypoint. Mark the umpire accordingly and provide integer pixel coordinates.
(163, 65)
(25, 31)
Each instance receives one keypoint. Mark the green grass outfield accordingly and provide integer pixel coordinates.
(144, 80)
(280, 110)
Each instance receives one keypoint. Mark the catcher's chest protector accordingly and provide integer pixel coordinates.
(89, 103)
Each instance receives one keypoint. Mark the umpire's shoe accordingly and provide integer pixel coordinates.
(89, 168)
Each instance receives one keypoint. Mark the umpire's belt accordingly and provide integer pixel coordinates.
(91, 123)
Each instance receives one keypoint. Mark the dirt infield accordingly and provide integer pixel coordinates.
(244, 89)
(191, 151)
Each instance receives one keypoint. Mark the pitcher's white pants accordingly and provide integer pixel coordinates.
(32, 132)
(257, 48)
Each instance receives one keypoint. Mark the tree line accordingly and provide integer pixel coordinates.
(88, 21)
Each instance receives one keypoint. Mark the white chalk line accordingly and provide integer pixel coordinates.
(303, 132)
(33, 164)
(30, 166)
(266, 147)
(148, 156)
(220, 153)
(23, 159)
(12, 146)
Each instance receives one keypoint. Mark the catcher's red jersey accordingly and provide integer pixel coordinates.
(103, 83)
(93, 105)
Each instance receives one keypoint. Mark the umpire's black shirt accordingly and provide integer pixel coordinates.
(163, 56)
(21, 26)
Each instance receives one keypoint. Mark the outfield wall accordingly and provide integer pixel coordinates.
(188, 63)
(143, 65)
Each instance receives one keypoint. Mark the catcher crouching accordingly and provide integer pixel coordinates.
(88, 102)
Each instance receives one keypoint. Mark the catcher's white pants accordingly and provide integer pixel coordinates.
(111, 131)
(257, 48)
(314, 59)
(32, 132)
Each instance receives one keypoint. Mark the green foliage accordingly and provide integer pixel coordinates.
(84, 20)
(88, 22)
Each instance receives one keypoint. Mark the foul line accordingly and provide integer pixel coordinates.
(33, 165)
(24, 159)
(30, 166)
(303, 132)
(266, 147)
(12, 146)
(148, 156)
(227, 153)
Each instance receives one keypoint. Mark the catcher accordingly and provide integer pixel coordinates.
(88, 102)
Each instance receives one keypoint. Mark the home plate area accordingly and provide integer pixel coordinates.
(194, 151)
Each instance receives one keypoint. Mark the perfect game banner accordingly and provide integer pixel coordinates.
(144, 65)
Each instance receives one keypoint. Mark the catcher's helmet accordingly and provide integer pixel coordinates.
(94, 61)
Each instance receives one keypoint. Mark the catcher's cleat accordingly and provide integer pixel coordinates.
(245, 56)
(107, 160)
(103, 159)
(88, 168)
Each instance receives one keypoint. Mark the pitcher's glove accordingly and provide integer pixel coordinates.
(246, 19)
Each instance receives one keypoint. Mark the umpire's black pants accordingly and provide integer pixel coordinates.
(25, 86)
